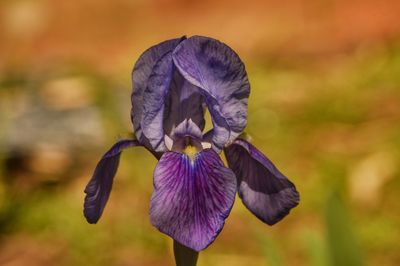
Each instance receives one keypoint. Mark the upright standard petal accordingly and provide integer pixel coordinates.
(99, 187)
(192, 198)
(184, 101)
(155, 96)
(169, 100)
(187, 128)
(218, 71)
(140, 76)
(264, 190)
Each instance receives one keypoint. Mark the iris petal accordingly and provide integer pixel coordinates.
(153, 107)
(169, 100)
(140, 76)
(187, 128)
(99, 187)
(192, 199)
(219, 72)
(184, 102)
(264, 190)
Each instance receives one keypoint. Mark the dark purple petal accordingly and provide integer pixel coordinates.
(219, 72)
(184, 102)
(140, 76)
(99, 187)
(264, 190)
(192, 199)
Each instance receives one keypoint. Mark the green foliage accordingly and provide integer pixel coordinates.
(343, 246)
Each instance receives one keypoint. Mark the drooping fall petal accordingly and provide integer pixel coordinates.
(99, 187)
(264, 190)
(192, 197)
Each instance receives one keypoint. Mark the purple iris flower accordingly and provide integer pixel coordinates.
(174, 82)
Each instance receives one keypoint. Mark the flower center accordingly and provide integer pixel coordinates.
(190, 151)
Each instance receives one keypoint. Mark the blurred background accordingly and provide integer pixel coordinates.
(324, 106)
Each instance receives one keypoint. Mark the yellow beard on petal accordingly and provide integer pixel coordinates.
(190, 151)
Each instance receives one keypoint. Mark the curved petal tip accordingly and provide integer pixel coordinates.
(264, 190)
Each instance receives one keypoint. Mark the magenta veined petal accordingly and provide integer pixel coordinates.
(192, 197)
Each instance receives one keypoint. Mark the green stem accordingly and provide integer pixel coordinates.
(184, 256)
